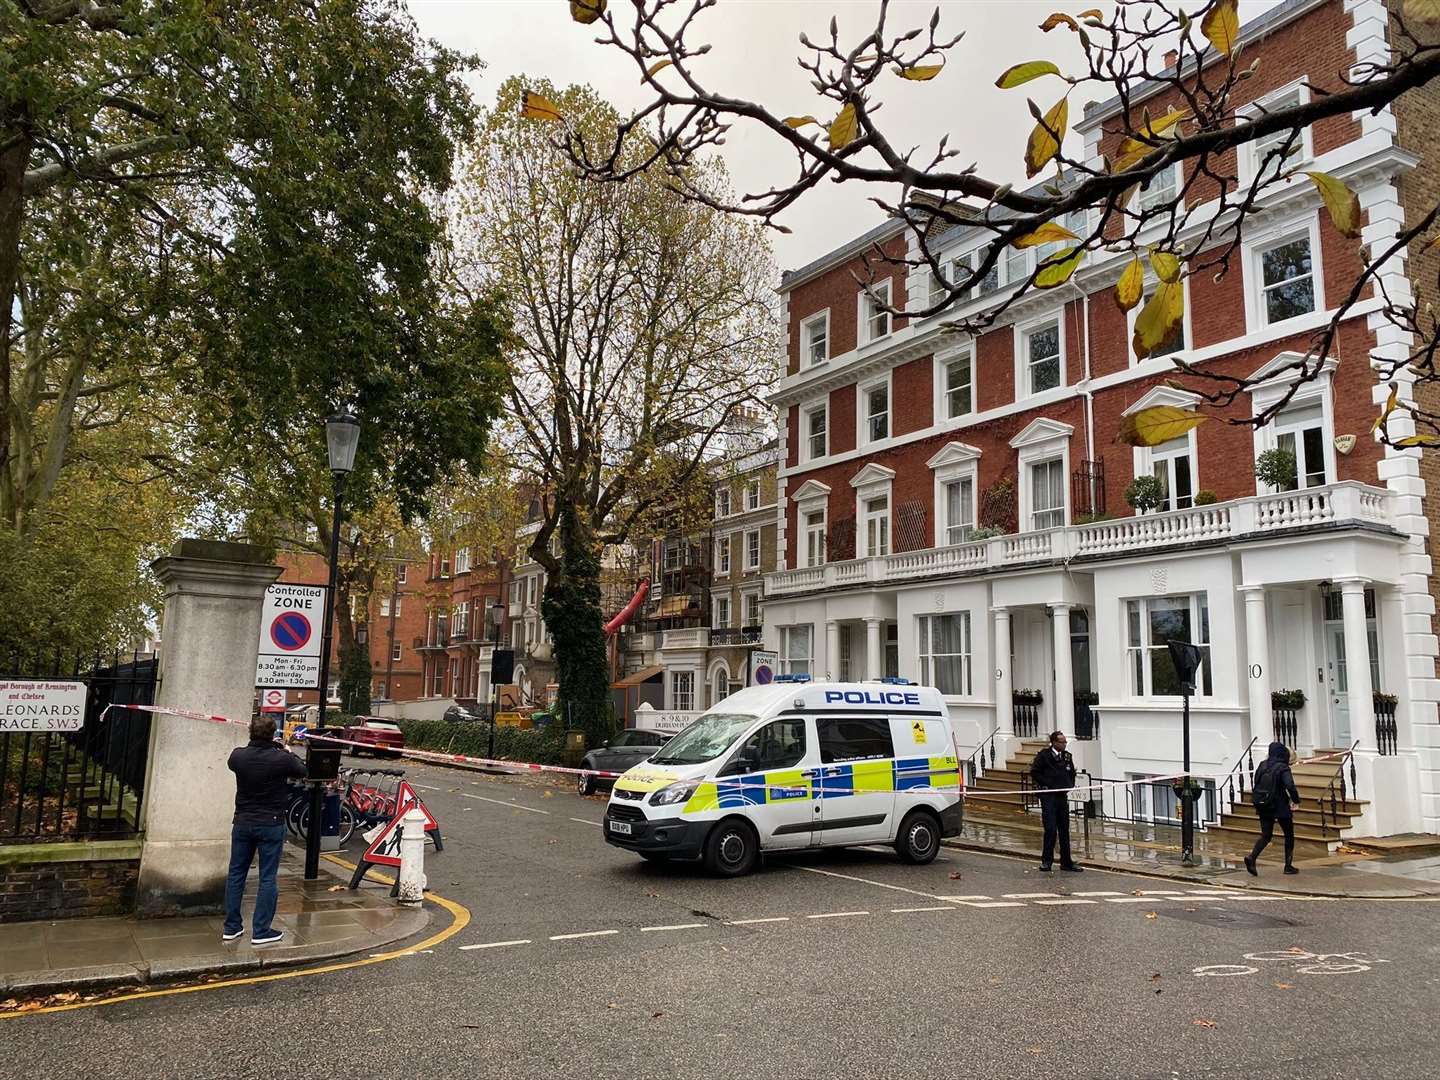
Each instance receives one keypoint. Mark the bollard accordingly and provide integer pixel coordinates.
(411, 884)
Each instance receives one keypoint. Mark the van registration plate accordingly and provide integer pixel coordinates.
(621, 827)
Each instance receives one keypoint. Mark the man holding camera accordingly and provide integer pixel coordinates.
(261, 769)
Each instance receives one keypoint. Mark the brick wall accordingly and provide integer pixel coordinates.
(67, 890)
(838, 289)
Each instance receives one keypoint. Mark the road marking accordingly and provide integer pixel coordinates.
(1215, 893)
(962, 899)
(1132, 899)
(425, 787)
(1160, 892)
(586, 821)
(992, 903)
(907, 910)
(1027, 895)
(460, 918)
(868, 881)
(495, 944)
(752, 922)
(1098, 893)
(587, 933)
(502, 802)
(1068, 900)
(677, 926)
(837, 914)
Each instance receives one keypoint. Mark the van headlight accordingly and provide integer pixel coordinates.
(675, 793)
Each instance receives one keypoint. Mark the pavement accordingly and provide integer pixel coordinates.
(1369, 869)
(322, 920)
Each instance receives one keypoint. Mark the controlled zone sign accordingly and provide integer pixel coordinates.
(40, 705)
(291, 633)
(762, 667)
(385, 848)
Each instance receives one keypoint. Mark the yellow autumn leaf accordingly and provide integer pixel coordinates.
(1023, 73)
(1044, 141)
(1153, 426)
(1221, 25)
(920, 72)
(1160, 318)
(1057, 270)
(798, 122)
(587, 11)
(1165, 264)
(1048, 233)
(1056, 20)
(1340, 201)
(843, 128)
(1131, 285)
(1390, 403)
(1419, 440)
(1427, 11)
(536, 107)
(1134, 148)
(658, 66)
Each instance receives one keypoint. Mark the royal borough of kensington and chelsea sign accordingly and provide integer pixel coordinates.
(37, 705)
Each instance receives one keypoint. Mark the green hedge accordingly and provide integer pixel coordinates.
(542, 746)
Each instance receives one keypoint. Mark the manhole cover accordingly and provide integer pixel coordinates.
(1228, 918)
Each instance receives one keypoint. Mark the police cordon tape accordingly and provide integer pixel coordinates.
(440, 758)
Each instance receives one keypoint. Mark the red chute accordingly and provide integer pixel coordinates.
(628, 611)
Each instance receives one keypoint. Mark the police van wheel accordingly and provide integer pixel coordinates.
(731, 849)
(919, 839)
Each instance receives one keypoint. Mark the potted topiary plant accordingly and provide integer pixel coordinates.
(1205, 497)
(1276, 469)
(1145, 493)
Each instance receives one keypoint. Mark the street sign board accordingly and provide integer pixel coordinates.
(41, 705)
(762, 667)
(291, 633)
(272, 701)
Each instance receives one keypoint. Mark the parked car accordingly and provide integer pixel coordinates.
(460, 714)
(382, 737)
(630, 747)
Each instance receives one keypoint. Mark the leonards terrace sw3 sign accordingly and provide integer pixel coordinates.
(36, 705)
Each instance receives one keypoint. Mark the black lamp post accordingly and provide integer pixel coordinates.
(342, 436)
(1186, 658)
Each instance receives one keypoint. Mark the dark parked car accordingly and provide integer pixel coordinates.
(458, 713)
(629, 748)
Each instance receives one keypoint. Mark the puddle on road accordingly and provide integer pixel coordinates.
(1228, 918)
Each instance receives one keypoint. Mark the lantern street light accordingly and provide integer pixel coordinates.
(1186, 658)
(342, 437)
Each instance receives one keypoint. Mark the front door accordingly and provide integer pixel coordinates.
(856, 780)
(1336, 685)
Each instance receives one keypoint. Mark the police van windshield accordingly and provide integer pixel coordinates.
(704, 740)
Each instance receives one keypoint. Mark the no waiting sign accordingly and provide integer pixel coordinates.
(291, 632)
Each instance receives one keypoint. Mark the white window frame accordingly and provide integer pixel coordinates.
(1253, 253)
(942, 393)
(752, 549)
(747, 599)
(1150, 456)
(462, 560)
(1316, 391)
(397, 650)
(1199, 625)
(938, 284)
(722, 503)
(805, 435)
(1148, 198)
(720, 611)
(1250, 155)
(1188, 342)
(872, 482)
(1023, 389)
(864, 314)
(807, 325)
(793, 661)
(682, 690)
(752, 495)
(862, 410)
(384, 607)
(722, 556)
(884, 518)
(1042, 440)
(976, 290)
(810, 498)
(400, 574)
(926, 656)
(813, 554)
(955, 463)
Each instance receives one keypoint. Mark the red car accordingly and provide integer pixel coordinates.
(382, 737)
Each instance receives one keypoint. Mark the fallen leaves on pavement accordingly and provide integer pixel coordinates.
(1203, 1023)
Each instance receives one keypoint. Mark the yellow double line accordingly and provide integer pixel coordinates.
(460, 918)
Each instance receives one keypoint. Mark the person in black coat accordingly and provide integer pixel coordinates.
(1053, 771)
(1283, 800)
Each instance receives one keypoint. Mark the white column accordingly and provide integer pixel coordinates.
(1257, 663)
(214, 593)
(1064, 694)
(1357, 663)
(832, 649)
(874, 648)
(1004, 708)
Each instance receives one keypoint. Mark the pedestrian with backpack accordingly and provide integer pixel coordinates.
(1274, 797)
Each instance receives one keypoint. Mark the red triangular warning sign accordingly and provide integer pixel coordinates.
(405, 798)
(385, 848)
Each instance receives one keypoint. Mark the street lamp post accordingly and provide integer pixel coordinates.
(342, 436)
(1186, 658)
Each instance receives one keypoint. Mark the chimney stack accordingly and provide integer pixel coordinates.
(1171, 58)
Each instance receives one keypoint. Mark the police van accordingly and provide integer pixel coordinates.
(796, 764)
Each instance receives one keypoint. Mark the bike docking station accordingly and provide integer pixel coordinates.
(400, 843)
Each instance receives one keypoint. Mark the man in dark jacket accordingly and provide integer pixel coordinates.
(261, 768)
(1274, 778)
(1053, 771)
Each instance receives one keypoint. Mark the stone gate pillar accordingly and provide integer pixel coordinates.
(209, 640)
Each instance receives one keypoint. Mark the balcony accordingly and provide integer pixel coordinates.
(737, 635)
(1346, 504)
(695, 637)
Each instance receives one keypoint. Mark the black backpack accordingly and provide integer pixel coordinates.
(1262, 794)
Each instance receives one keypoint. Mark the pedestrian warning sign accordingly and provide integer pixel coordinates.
(384, 849)
(291, 637)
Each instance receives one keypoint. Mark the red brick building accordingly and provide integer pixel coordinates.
(952, 509)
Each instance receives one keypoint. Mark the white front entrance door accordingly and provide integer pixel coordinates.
(1336, 686)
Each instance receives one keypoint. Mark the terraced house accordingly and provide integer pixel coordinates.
(951, 508)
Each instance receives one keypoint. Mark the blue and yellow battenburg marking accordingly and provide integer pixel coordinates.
(826, 782)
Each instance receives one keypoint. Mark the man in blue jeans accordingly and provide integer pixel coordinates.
(261, 768)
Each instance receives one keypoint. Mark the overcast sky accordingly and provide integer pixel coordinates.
(754, 51)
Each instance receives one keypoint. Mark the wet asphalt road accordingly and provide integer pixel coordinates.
(583, 960)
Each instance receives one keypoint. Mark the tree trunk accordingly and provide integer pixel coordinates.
(571, 606)
(13, 159)
(354, 658)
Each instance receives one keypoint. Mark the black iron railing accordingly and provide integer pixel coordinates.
(1241, 774)
(1025, 715)
(86, 782)
(1387, 731)
(980, 759)
(1087, 720)
(1287, 726)
(737, 635)
(1336, 796)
